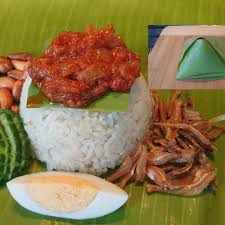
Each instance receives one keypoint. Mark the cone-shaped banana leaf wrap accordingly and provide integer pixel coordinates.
(202, 58)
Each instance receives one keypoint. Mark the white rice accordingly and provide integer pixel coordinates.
(86, 141)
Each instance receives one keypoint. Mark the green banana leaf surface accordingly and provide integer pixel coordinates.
(202, 58)
(111, 102)
(29, 25)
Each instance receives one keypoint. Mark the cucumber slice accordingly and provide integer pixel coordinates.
(15, 147)
(14, 139)
(25, 142)
(5, 155)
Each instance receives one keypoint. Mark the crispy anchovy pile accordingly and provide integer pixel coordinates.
(174, 156)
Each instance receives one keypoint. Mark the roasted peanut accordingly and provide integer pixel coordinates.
(17, 89)
(5, 65)
(7, 82)
(17, 74)
(24, 56)
(6, 98)
(15, 108)
(19, 64)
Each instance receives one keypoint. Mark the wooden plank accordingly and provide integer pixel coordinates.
(203, 30)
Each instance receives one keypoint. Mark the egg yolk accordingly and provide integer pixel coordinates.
(60, 193)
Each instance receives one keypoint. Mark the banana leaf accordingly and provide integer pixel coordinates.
(28, 25)
(202, 58)
(111, 102)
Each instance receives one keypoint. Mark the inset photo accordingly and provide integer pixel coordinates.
(186, 57)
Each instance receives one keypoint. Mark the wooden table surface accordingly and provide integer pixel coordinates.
(163, 60)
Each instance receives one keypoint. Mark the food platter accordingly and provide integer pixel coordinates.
(141, 207)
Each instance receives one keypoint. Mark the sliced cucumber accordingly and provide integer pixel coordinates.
(5, 155)
(25, 142)
(15, 148)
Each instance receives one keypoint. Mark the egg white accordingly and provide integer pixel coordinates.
(109, 197)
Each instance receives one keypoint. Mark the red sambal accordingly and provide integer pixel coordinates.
(79, 67)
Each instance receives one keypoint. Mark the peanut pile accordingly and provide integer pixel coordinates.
(13, 73)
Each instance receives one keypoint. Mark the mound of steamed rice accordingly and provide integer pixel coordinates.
(86, 141)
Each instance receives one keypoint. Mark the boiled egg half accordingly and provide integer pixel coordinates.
(67, 195)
